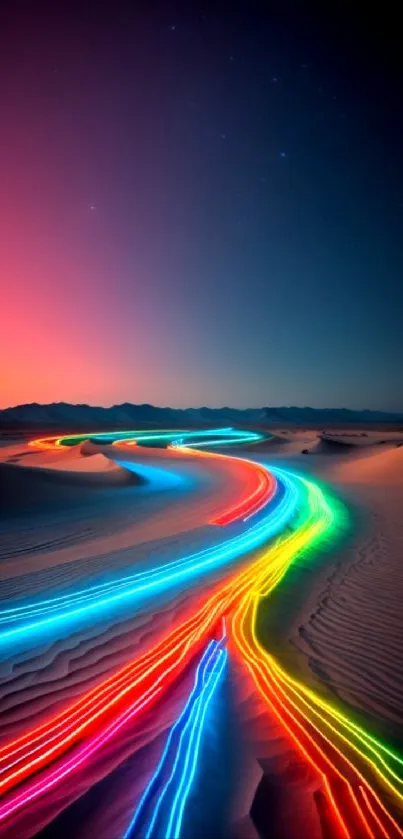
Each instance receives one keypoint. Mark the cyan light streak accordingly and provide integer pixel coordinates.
(182, 752)
(160, 479)
(64, 610)
(219, 441)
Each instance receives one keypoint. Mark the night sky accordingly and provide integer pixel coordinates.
(201, 203)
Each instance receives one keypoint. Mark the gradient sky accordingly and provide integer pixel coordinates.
(200, 203)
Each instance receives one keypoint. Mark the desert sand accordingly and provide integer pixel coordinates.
(337, 623)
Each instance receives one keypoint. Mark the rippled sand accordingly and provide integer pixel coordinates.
(338, 621)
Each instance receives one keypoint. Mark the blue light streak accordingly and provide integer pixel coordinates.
(182, 751)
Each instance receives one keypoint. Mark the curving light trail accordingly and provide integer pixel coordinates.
(358, 775)
(207, 437)
(47, 614)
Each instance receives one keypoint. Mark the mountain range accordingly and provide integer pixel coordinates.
(62, 415)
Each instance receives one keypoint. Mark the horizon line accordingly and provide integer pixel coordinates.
(263, 407)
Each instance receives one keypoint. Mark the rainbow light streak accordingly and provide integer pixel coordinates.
(178, 436)
(346, 759)
(182, 750)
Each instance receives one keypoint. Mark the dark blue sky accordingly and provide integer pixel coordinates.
(217, 194)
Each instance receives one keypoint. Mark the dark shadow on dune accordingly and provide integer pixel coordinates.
(328, 445)
(264, 812)
(24, 489)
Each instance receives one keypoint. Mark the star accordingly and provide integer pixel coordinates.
(274, 79)
(223, 136)
(173, 27)
(283, 154)
(92, 207)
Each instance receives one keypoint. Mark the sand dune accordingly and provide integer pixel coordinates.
(378, 468)
(345, 636)
(364, 439)
(337, 623)
(29, 488)
(336, 441)
(84, 520)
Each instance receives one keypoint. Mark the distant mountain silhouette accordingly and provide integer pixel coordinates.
(62, 415)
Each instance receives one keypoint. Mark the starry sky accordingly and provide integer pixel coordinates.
(200, 204)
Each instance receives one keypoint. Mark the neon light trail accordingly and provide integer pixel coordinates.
(184, 742)
(250, 541)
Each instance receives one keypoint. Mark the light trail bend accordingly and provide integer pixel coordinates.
(359, 775)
